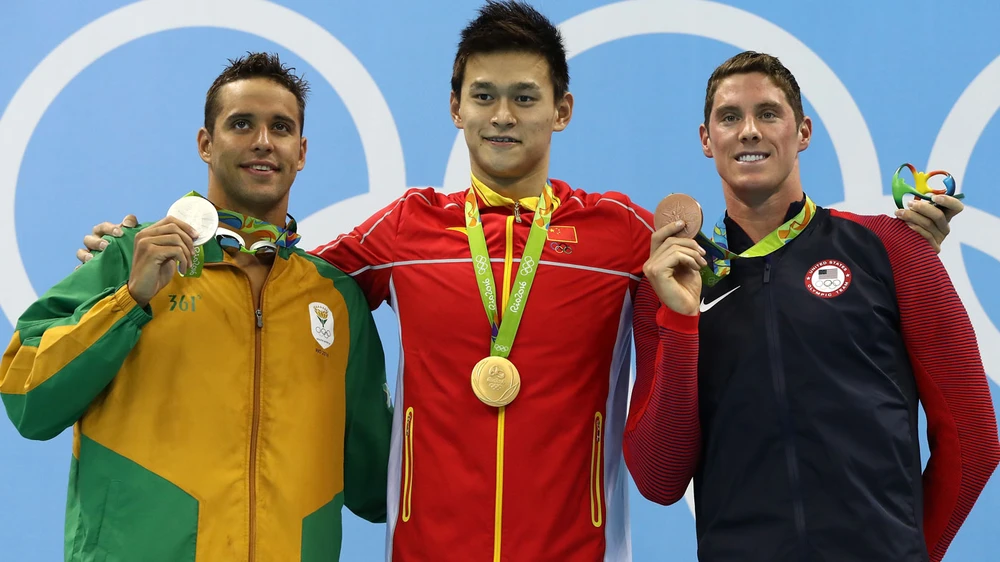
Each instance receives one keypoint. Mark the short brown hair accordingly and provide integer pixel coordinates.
(257, 65)
(751, 61)
(512, 26)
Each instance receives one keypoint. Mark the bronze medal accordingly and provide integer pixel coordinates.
(678, 206)
(495, 381)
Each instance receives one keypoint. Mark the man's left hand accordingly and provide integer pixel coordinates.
(931, 221)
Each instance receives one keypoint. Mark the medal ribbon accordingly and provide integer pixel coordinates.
(503, 332)
(235, 230)
(717, 246)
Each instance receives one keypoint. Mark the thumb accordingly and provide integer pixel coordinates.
(130, 221)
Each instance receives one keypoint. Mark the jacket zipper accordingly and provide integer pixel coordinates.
(508, 267)
(255, 423)
(254, 426)
(781, 394)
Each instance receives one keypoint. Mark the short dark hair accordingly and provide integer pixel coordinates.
(257, 65)
(752, 61)
(510, 25)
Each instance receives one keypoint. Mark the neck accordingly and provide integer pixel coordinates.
(529, 185)
(760, 214)
(274, 214)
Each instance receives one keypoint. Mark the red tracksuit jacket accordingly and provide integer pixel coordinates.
(544, 479)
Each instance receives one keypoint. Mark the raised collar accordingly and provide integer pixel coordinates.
(494, 199)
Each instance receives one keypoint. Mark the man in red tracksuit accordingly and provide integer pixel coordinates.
(517, 273)
(812, 346)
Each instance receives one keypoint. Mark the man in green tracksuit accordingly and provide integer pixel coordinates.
(227, 414)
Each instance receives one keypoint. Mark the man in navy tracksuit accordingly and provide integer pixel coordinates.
(811, 351)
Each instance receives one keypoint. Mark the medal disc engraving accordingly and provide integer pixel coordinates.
(199, 214)
(675, 207)
(496, 381)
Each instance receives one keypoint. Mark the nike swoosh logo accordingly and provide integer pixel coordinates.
(706, 306)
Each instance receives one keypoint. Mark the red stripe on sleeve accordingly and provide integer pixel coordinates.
(662, 434)
(951, 381)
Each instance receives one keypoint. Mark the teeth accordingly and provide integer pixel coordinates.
(501, 139)
(751, 157)
(261, 167)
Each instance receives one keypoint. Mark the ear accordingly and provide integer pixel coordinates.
(706, 141)
(454, 104)
(303, 147)
(805, 133)
(205, 145)
(564, 112)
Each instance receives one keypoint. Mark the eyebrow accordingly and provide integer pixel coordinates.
(758, 107)
(518, 86)
(275, 117)
(726, 108)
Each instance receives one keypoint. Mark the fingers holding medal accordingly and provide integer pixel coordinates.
(168, 245)
(675, 258)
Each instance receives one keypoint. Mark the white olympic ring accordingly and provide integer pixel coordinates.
(849, 133)
(952, 151)
(334, 62)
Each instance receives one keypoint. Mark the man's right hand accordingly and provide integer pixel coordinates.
(93, 241)
(159, 249)
(673, 269)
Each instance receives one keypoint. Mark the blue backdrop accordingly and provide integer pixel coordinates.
(102, 100)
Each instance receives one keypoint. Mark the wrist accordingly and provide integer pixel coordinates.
(141, 301)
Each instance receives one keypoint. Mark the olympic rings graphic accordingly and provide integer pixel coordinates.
(830, 284)
(561, 248)
(527, 265)
(482, 264)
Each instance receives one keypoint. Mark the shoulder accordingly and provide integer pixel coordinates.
(615, 201)
(431, 197)
(892, 232)
(342, 282)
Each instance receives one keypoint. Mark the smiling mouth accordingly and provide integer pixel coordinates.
(752, 157)
(260, 167)
(502, 140)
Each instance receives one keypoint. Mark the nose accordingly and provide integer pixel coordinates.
(503, 118)
(263, 141)
(750, 132)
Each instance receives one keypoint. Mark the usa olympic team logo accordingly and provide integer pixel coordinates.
(828, 279)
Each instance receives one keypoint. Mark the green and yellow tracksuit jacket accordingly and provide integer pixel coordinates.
(205, 429)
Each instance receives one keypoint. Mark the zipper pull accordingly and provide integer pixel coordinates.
(767, 272)
(517, 211)
(260, 319)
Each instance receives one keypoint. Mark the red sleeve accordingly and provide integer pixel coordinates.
(662, 433)
(951, 381)
(367, 252)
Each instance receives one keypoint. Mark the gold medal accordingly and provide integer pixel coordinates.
(495, 381)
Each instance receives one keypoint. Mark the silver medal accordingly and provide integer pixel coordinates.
(199, 213)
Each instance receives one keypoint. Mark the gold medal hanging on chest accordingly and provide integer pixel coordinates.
(495, 381)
